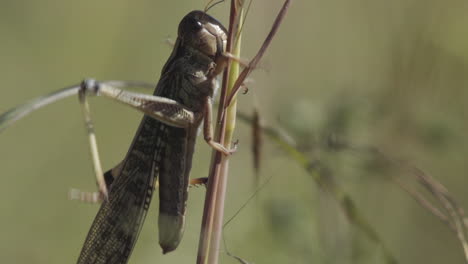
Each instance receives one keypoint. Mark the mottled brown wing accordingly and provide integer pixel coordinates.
(118, 223)
(176, 161)
(173, 185)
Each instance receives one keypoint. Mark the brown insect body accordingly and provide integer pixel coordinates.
(158, 149)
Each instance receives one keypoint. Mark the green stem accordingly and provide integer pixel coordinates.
(212, 222)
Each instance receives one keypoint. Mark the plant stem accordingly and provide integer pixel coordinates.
(210, 237)
(212, 222)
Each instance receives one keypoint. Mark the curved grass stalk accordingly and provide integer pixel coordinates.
(314, 169)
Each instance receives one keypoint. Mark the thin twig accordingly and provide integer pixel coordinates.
(453, 209)
(418, 197)
(253, 63)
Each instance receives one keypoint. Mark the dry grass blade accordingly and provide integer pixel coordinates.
(454, 214)
(253, 63)
(241, 260)
(418, 197)
(319, 173)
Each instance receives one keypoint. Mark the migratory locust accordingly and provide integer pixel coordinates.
(162, 148)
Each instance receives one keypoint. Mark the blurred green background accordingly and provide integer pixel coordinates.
(391, 74)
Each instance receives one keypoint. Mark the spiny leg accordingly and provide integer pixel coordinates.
(92, 142)
(163, 109)
(97, 197)
(208, 130)
(16, 113)
(168, 111)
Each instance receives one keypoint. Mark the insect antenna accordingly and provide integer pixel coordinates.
(210, 4)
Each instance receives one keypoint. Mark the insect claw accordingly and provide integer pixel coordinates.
(236, 143)
(229, 152)
(198, 181)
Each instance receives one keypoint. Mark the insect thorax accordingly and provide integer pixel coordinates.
(191, 78)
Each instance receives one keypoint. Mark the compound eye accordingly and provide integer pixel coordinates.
(194, 24)
(198, 25)
(191, 24)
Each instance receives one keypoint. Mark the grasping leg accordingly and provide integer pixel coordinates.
(208, 129)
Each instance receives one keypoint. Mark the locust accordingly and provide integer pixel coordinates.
(162, 148)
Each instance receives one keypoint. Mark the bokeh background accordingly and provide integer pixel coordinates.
(391, 74)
